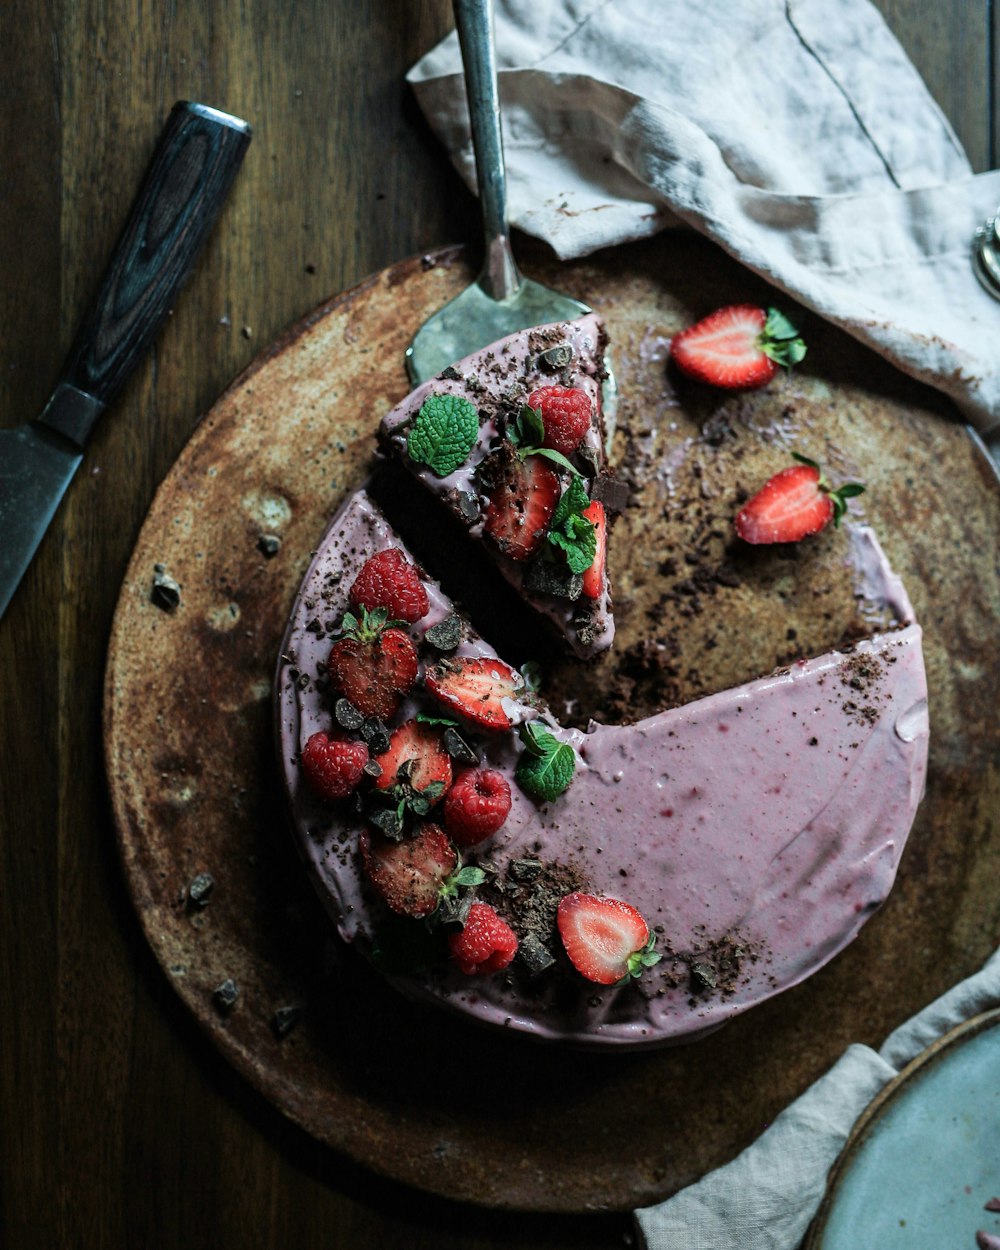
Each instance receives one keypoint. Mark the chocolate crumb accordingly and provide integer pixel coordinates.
(285, 1019)
(225, 995)
(535, 955)
(347, 715)
(200, 889)
(458, 747)
(166, 593)
(446, 634)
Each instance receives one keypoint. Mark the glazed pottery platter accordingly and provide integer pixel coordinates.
(198, 807)
(922, 1167)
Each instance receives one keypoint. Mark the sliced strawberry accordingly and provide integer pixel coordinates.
(606, 939)
(594, 577)
(521, 506)
(793, 504)
(388, 580)
(566, 416)
(416, 749)
(737, 346)
(373, 667)
(485, 944)
(476, 687)
(409, 875)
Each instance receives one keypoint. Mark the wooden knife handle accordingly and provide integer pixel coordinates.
(188, 179)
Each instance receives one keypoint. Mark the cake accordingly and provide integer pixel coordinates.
(533, 404)
(735, 842)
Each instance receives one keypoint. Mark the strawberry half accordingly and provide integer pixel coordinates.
(594, 577)
(410, 875)
(477, 687)
(521, 506)
(606, 939)
(737, 347)
(373, 666)
(415, 749)
(793, 504)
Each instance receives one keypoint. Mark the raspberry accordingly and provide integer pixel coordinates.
(333, 766)
(389, 580)
(476, 805)
(566, 414)
(486, 944)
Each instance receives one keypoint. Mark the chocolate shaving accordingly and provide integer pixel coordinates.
(612, 492)
(285, 1019)
(225, 995)
(165, 593)
(446, 634)
(200, 889)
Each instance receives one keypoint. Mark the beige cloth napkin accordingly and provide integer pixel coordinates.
(795, 133)
(766, 1197)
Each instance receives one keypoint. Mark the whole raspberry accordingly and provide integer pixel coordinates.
(476, 805)
(566, 414)
(486, 944)
(333, 766)
(389, 580)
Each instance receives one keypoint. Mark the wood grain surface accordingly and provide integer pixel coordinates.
(120, 1124)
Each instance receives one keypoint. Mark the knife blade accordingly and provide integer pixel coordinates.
(190, 174)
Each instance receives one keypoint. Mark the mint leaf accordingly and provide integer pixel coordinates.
(578, 542)
(556, 457)
(570, 531)
(424, 719)
(444, 432)
(573, 500)
(546, 765)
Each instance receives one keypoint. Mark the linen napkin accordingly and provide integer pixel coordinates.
(795, 133)
(766, 1197)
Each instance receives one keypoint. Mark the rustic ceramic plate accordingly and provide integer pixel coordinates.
(188, 732)
(924, 1160)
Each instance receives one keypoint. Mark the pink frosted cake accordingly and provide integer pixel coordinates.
(600, 884)
(497, 438)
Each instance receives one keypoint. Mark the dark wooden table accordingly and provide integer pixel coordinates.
(120, 1124)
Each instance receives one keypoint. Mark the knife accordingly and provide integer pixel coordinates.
(189, 176)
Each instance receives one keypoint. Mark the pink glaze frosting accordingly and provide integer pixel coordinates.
(756, 829)
(506, 369)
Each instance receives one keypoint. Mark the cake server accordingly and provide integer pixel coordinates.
(501, 300)
(191, 171)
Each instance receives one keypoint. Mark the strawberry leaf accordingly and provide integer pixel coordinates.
(780, 340)
(642, 959)
(546, 766)
(444, 432)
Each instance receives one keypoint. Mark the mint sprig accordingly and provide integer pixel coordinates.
(443, 433)
(546, 765)
(570, 531)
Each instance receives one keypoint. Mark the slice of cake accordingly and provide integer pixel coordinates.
(628, 885)
(512, 441)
